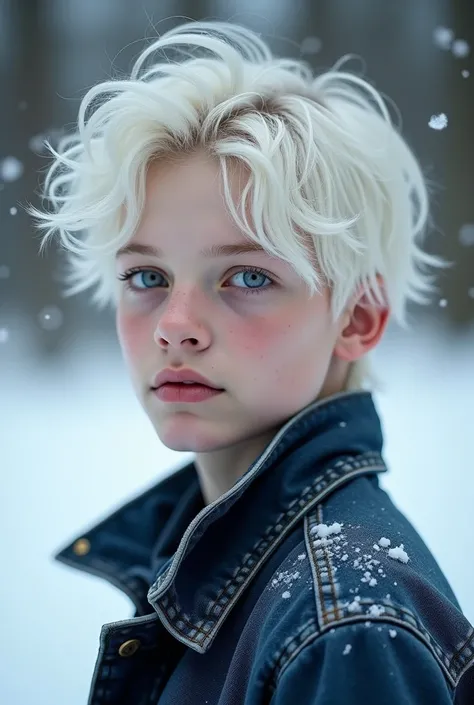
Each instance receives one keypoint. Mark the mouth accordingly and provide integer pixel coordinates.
(188, 385)
(185, 393)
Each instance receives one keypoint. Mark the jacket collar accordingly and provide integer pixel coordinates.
(165, 537)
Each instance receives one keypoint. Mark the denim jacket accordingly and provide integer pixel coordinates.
(303, 584)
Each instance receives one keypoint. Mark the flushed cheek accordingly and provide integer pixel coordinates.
(265, 345)
(286, 351)
(132, 337)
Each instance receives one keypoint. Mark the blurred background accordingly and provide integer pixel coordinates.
(75, 442)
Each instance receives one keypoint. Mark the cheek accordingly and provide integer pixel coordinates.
(291, 347)
(131, 334)
(272, 339)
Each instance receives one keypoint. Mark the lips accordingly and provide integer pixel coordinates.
(182, 376)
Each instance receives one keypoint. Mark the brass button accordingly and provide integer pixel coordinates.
(81, 547)
(129, 647)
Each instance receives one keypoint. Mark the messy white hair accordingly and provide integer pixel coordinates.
(327, 168)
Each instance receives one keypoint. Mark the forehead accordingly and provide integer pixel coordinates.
(188, 193)
(198, 175)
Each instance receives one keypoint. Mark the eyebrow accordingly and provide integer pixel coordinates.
(212, 251)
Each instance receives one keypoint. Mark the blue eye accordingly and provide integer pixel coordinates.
(256, 271)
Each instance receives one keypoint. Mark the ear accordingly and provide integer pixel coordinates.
(363, 326)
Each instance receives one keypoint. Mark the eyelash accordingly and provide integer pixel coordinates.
(126, 276)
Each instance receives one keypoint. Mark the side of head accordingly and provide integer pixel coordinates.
(333, 189)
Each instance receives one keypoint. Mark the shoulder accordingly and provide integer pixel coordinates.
(361, 572)
(361, 663)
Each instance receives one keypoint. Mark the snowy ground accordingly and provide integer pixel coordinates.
(76, 444)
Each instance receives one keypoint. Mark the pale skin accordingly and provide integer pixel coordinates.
(273, 352)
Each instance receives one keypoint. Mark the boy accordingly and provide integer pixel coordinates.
(278, 214)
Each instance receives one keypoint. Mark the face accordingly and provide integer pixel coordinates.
(256, 335)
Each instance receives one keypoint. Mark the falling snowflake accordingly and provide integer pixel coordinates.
(465, 73)
(347, 650)
(438, 122)
(11, 169)
(443, 37)
(50, 318)
(460, 48)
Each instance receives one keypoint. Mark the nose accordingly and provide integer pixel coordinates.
(182, 324)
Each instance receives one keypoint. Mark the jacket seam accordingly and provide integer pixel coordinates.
(292, 649)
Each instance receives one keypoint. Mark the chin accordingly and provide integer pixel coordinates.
(174, 436)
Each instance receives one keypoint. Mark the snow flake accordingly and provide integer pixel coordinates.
(354, 606)
(393, 633)
(460, 48)
(376, 610)
(50, 318)
(347, 650)
(286, 595)
(285, 577)
(399, 554)
(438, 122)
(11, 169)
(323, 530)
(443, 37)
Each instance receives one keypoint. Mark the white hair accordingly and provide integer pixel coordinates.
(327, 167)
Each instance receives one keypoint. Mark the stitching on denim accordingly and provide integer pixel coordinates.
(333, 614)
(294, 645)
(108, 657)
(348, 463)
(370, 461)
(464, 655)
(330, 570)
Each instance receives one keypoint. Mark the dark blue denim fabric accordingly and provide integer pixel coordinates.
(302, 585)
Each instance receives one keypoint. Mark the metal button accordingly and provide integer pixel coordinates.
(129, 647)
(81, 547)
